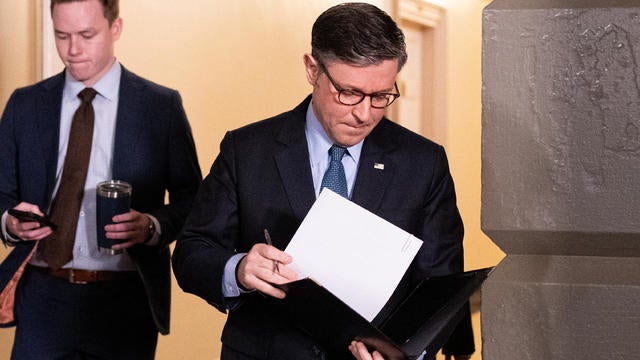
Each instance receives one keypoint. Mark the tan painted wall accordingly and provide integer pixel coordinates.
(235, 62)
(464, 86)
(18, 40)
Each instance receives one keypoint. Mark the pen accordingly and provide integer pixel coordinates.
(268, 239)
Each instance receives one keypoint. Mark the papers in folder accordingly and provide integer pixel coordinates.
(353, 253)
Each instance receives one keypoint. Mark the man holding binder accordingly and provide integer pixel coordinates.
(269, 173)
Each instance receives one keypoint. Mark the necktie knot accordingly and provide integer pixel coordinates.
(337, 152)
(87, 95)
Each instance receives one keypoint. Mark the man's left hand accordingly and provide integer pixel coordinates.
(360, 352)
(132, 227)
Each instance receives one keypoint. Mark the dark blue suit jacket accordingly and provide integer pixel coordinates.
(262, 178)
(154, 151)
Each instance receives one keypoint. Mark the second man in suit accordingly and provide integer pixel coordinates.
(269, 173)
(85, 304)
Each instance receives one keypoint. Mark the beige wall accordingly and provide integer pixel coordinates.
(18, 35)
(235, 62)
(464, 85)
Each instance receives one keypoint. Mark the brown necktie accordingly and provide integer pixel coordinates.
(57, 249)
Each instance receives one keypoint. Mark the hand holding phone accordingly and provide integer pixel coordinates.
(28, 216)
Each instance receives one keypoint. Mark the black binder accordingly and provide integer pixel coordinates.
(421, 323)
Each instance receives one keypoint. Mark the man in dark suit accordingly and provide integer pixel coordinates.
(268, 174)
(95, 305)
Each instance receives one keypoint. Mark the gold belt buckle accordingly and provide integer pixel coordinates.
(72, 278)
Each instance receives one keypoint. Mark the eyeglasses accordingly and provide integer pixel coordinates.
(349, 97)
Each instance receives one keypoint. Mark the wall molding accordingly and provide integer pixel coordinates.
(420, 12)
(50, 62)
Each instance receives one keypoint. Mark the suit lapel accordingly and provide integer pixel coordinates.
(376, 169)
(129, 122)
(47, 110)
(296, 179)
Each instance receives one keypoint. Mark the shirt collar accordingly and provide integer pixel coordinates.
(108, 86)
(319, 142)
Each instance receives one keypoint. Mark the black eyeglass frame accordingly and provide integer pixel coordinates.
(391, 97)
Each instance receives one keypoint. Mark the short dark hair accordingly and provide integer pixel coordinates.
(359, 34)
(110, 8)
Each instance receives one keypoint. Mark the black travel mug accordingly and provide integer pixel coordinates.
(113, 197)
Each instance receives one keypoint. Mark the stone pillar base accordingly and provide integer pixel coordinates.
(562, 307)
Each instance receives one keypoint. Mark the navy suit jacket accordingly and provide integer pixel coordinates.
(262, 179)
(154, 151)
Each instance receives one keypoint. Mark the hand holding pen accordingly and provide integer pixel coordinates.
(263, 266)
(267, 238)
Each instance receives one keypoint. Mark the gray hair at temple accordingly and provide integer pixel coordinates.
(358, 34)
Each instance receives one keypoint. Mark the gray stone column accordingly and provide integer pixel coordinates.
(561, 178)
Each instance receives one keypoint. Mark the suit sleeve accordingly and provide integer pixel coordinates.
(8, 184)
(170, 166)
(183, 177)
(443, 235)
(209, 236)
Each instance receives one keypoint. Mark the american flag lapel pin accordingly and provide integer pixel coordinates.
(378, 166)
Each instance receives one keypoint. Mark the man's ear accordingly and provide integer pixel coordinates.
(116, 28)
(311, 68)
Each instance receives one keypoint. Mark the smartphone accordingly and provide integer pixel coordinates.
(27, 216)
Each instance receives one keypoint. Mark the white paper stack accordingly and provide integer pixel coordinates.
(353, 253)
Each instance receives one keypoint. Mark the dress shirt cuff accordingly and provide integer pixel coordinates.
(5, 234)
(155, 239)
(230, 286)
(230, 289)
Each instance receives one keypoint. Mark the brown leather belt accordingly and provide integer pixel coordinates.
(79, 276)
